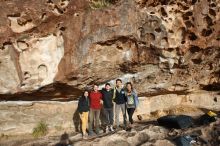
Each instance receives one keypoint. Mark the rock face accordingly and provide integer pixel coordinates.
(161, 46)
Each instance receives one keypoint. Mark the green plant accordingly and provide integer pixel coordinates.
(41, 129)
(97, 4)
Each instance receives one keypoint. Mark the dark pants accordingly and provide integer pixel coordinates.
(109, 115)
(130, 114)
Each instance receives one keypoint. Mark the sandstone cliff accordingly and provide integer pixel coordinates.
(58, 47)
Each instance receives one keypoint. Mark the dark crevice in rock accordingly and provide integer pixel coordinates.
(52, 92)
(194, 49)
(197, 61)
(163, 92)
(192, 36)
(212, 12)
(128, 68)
(209, 21)
(194, 2)
(189, 24)
(206, 32)
(211, 87)
(163, 12)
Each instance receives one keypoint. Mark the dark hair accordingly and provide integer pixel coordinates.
(118, 80)
(129, 83)
(107, 84)
(95, 84)
(84, 92)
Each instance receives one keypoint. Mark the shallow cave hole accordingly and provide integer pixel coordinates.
(197, 61)
(170, 31)
(192, 36)
(163, 12)
(189, 24)
(49, 2)
(193, 2)
(212, 12)
(194, 49)
(215, 99)
(152, 12)
(211, 87)
(62, 28)
(150, 36)
(209, 20)
(158, 29)
(170, 49)
(164, 2)
(185, 17)
(206, 32)
(212, 5)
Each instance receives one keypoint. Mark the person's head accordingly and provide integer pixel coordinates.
(118, 83)
(95, 87)
(129, 86)
(86, 93)
(107, 86)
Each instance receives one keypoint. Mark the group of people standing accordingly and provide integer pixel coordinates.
(112, 100)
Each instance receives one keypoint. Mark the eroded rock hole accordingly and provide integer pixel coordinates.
(197, 61)
(158, 29)
(212, 12)
(27, 75)
(183, 42)
(152, 12)
(194, 49)
(192, 36)
(212, 87)
(62, 28)
(193, 2)
(209, 20)
(150, 37)
(213, 5)
(189, 24)
(163, 12)
(165, 2)
(49, 1)
(215, 99)
(206, 32)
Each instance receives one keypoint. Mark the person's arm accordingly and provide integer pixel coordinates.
(125, 95)
(80, 105)
(101, 98)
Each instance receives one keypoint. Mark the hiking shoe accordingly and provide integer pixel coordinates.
(98, 131)
(85, 137)
(91, 133)
(111, 128)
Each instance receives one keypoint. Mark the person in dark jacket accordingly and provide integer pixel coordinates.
(107, 96)
(120, 100)
(132, 101)
(83, 109)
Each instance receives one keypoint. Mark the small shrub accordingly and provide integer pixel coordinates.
(97, 4)
(40, 130)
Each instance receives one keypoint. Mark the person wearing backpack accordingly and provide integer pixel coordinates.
(120, 99)
(83, 109)
(131, 101)
(107, 96)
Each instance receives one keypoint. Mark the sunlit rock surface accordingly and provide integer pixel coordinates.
(161, 46)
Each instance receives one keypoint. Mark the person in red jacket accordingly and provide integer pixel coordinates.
(95, 107)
